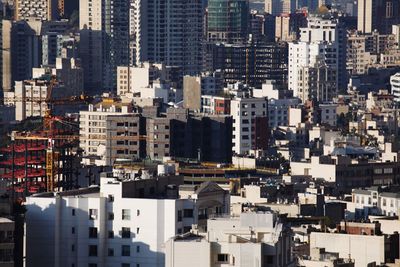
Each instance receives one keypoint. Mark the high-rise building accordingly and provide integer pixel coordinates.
(67, 7)
(251, 64)
(25, 49)
(5, 56)
(250, 127)
(227, 20)
(308, 61)
(278, 7)
(105, 28)
(36, 9)
(287, 26)
(133, 32)
(378, 15)
(175, 33)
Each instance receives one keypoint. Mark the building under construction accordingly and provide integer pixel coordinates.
(40, 160)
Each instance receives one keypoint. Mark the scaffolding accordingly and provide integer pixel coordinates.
(41, 160)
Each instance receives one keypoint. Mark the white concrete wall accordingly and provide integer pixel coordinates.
(363, 249)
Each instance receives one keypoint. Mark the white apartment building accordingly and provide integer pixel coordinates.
(278, 111)
(253, 239)
(373, 201)
(304, 60)
(125, 222)
(321, 44)
(328, 114)
(131, 79)
(93, 127)
(28, 98)
(248, 132)
(395, 84)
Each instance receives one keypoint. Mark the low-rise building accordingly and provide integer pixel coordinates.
(125, 221)
(253, 239)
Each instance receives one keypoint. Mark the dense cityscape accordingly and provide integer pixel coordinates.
(201, 133)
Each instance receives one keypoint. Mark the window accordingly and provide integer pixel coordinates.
(384, 202)
(137, 212)
(125, 250)
(137, 249)
(137, 230)
(188, 213)
(110, 234)
(92, 251)
(92, 232)
(110, 198)
(126, 214)
(92, 214)
(92, 265)
(72, 247)
(110, 252)
(222, 257)
(179, 215)
(73, 212)
(269, 259)
(125, 265)
(126, 232)
(111, 216)
(73, 230)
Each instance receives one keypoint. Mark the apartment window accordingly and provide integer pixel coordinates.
(384, 202)
(137, 212)
(93, 251)
(179, 215)
(92, 232)
(110, 198)
(93, 214)
(125, 250)
(110, 252)
(137, 230)
(126, 214)
(126, 232)
(125, 265)
(92, 265)
(222, 258)
(137, 249)
(110, 234)
(188, 213)
(73, 212)
(72, 247)
(111, 216)
(73, 230)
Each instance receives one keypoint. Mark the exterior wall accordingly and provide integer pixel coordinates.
(363, 249)
(5, 57)
(6, 242)
(92, 124)
(192, 92)
(244, 111)
(316, 170)
(40, 9)
(181, 254)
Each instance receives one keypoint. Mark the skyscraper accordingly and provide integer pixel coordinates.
(377, 15)
(278, 7)
(174, 35)
(38, 9)
(227, 20)
(105, 40)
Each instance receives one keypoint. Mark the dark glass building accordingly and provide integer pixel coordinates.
(228, 20)
(251, 63)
